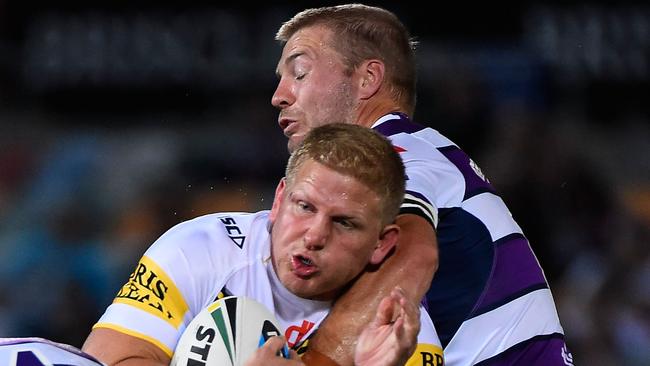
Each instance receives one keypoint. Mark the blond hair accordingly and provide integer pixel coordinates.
(363, 33)
(358, 152)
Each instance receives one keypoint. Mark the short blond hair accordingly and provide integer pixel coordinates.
(358, 152)
(363, 33)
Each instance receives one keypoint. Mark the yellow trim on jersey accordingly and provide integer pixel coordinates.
(135, 334)
(150, 289)
(426, 355)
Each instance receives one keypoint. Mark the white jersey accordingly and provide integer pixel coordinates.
(216, 255)
(42, 352)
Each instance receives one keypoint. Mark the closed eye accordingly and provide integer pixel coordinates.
(304, 206)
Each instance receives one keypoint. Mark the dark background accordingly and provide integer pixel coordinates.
(119, 120)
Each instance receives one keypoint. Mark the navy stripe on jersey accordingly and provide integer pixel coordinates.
(516, 272)
(474, 183)
(547, 350)
(400, 125)
(415, 203)
(466, 256)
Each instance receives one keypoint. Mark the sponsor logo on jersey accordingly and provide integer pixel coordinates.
(234, 233)
(295, 333)
(150, 289)
(426, 355)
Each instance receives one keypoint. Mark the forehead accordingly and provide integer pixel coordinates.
(311, 41)
(316, 178)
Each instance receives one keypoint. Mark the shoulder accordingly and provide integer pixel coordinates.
(223, 232)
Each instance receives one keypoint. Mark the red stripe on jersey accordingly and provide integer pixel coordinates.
(399, 149)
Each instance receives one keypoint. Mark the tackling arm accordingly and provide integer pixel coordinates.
(411, 267)
(116, 348)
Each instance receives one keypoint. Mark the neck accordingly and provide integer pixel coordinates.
(371, 110)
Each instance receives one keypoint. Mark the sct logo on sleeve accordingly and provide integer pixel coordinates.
(150, 289)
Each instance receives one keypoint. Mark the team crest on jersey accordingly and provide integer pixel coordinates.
(150, 289)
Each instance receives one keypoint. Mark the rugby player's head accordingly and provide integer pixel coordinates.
(357, 152)
(359, 33)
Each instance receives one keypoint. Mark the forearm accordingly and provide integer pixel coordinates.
(411, 267)
(139, 362)
(118, 349)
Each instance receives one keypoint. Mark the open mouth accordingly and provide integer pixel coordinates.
(303, 266)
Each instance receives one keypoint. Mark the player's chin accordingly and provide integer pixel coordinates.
(303, 288)
(294, 141)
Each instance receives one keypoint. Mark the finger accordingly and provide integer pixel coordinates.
(293, 355)
(385, 311)
(274, 344)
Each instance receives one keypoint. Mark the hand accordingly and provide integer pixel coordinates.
(391, 337)
(267, 355)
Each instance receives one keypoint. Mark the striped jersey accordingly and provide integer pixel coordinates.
(489, 299)
(36, 351)
(222, 254)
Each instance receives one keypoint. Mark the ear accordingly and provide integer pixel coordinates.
(387, 241)
(371, 74)
(277, 199)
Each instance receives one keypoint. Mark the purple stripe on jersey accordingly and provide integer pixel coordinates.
(37, 340)
(27, 358)
(474, 184)
(401, 124)
(546, 350)
(515, 270)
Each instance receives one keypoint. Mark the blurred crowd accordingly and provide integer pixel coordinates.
(82, 195)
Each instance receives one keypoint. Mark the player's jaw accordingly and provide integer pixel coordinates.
(294, 129)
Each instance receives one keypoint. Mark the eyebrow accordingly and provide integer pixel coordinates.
(289, 60)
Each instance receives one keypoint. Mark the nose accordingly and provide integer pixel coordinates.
(283, 96)
(317, 234)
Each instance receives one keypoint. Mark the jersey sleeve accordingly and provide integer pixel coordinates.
(177, 276)
(428, 351)
(431, 181)
(35, 351)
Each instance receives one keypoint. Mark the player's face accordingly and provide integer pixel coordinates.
(313, 89)
(326, 229)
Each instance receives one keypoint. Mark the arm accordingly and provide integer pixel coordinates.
(124, 349)
(411, 267)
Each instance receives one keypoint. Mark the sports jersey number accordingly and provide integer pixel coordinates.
(234, 233)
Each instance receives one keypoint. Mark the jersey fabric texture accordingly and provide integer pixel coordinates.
(489, 299)
(42, 352)
(221, 254)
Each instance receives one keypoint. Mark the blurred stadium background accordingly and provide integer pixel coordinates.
(119, 120)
